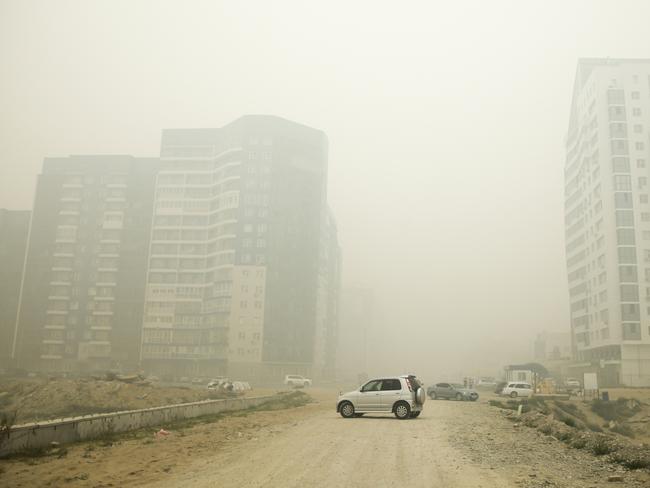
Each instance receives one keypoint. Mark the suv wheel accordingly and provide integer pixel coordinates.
(415, 414)
(459, 396)
(433, 395)
(347, 410)
(513, 394)
(402, 410)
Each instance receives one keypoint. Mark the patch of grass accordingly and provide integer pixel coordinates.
(620, 409)
(593, 427)
(579, 443)
(546, 429)
(623, 429)
(570, 409)
(536, 402)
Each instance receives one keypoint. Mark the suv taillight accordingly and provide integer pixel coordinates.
(408, 383)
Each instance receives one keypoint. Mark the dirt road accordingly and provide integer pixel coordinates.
(326, 450)
(451, 445)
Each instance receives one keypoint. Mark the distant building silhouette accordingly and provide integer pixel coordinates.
(83, 290)
(237, 252)
(14, 227)
(220, 257)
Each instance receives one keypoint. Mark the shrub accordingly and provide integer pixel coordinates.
(620, 409)
(632, 460)
(601, 445)
(579, 443)
(623, 429)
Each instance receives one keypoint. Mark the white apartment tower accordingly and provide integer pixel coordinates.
(607, 219)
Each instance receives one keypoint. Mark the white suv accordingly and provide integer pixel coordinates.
(401, 395)
(296, 381)
(516, 389)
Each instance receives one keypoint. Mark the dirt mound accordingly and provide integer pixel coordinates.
(38, 399)
(573, 423)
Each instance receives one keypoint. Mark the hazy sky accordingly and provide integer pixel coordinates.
(446, 123)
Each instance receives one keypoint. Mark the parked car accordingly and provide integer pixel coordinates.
(573, 383)
(198, 381)
(296, 381)
(500, 386)
(403, 396)
(215, 383)
(516, 389)
(452, 390)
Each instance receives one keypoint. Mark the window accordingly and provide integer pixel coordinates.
(636, 111)
(645, 216)
(604, 316)
(643, 181)
(620, 165)
(630, 311)
(643, 198)
(636, 95)
(622, 183)
(624, 218)
(374, 385)
(629, 293)
(626, 255)
(391, 385)
(631, 332)
(627, 274)
(640, 163)
(623, 200)
(639, 146)
(638, 128)
(625, 237)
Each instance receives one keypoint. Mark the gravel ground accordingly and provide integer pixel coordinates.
(452, 444)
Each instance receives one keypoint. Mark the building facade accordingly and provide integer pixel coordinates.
(232, 285)
(81, 300)
(552, 346)
(14, 227)
(607, 219)
(327, 305)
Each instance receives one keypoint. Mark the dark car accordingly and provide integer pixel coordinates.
(452, 391)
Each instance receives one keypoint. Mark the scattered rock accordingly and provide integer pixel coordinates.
(615, 478)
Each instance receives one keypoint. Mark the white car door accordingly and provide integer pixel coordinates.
(390, 392)
(369, 399)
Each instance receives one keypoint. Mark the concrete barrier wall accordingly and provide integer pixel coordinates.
(41, 435)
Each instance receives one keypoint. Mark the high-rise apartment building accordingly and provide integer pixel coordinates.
(14, 226)
(607, 219)
(327, 305)
(82, 295)
(236, 250)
